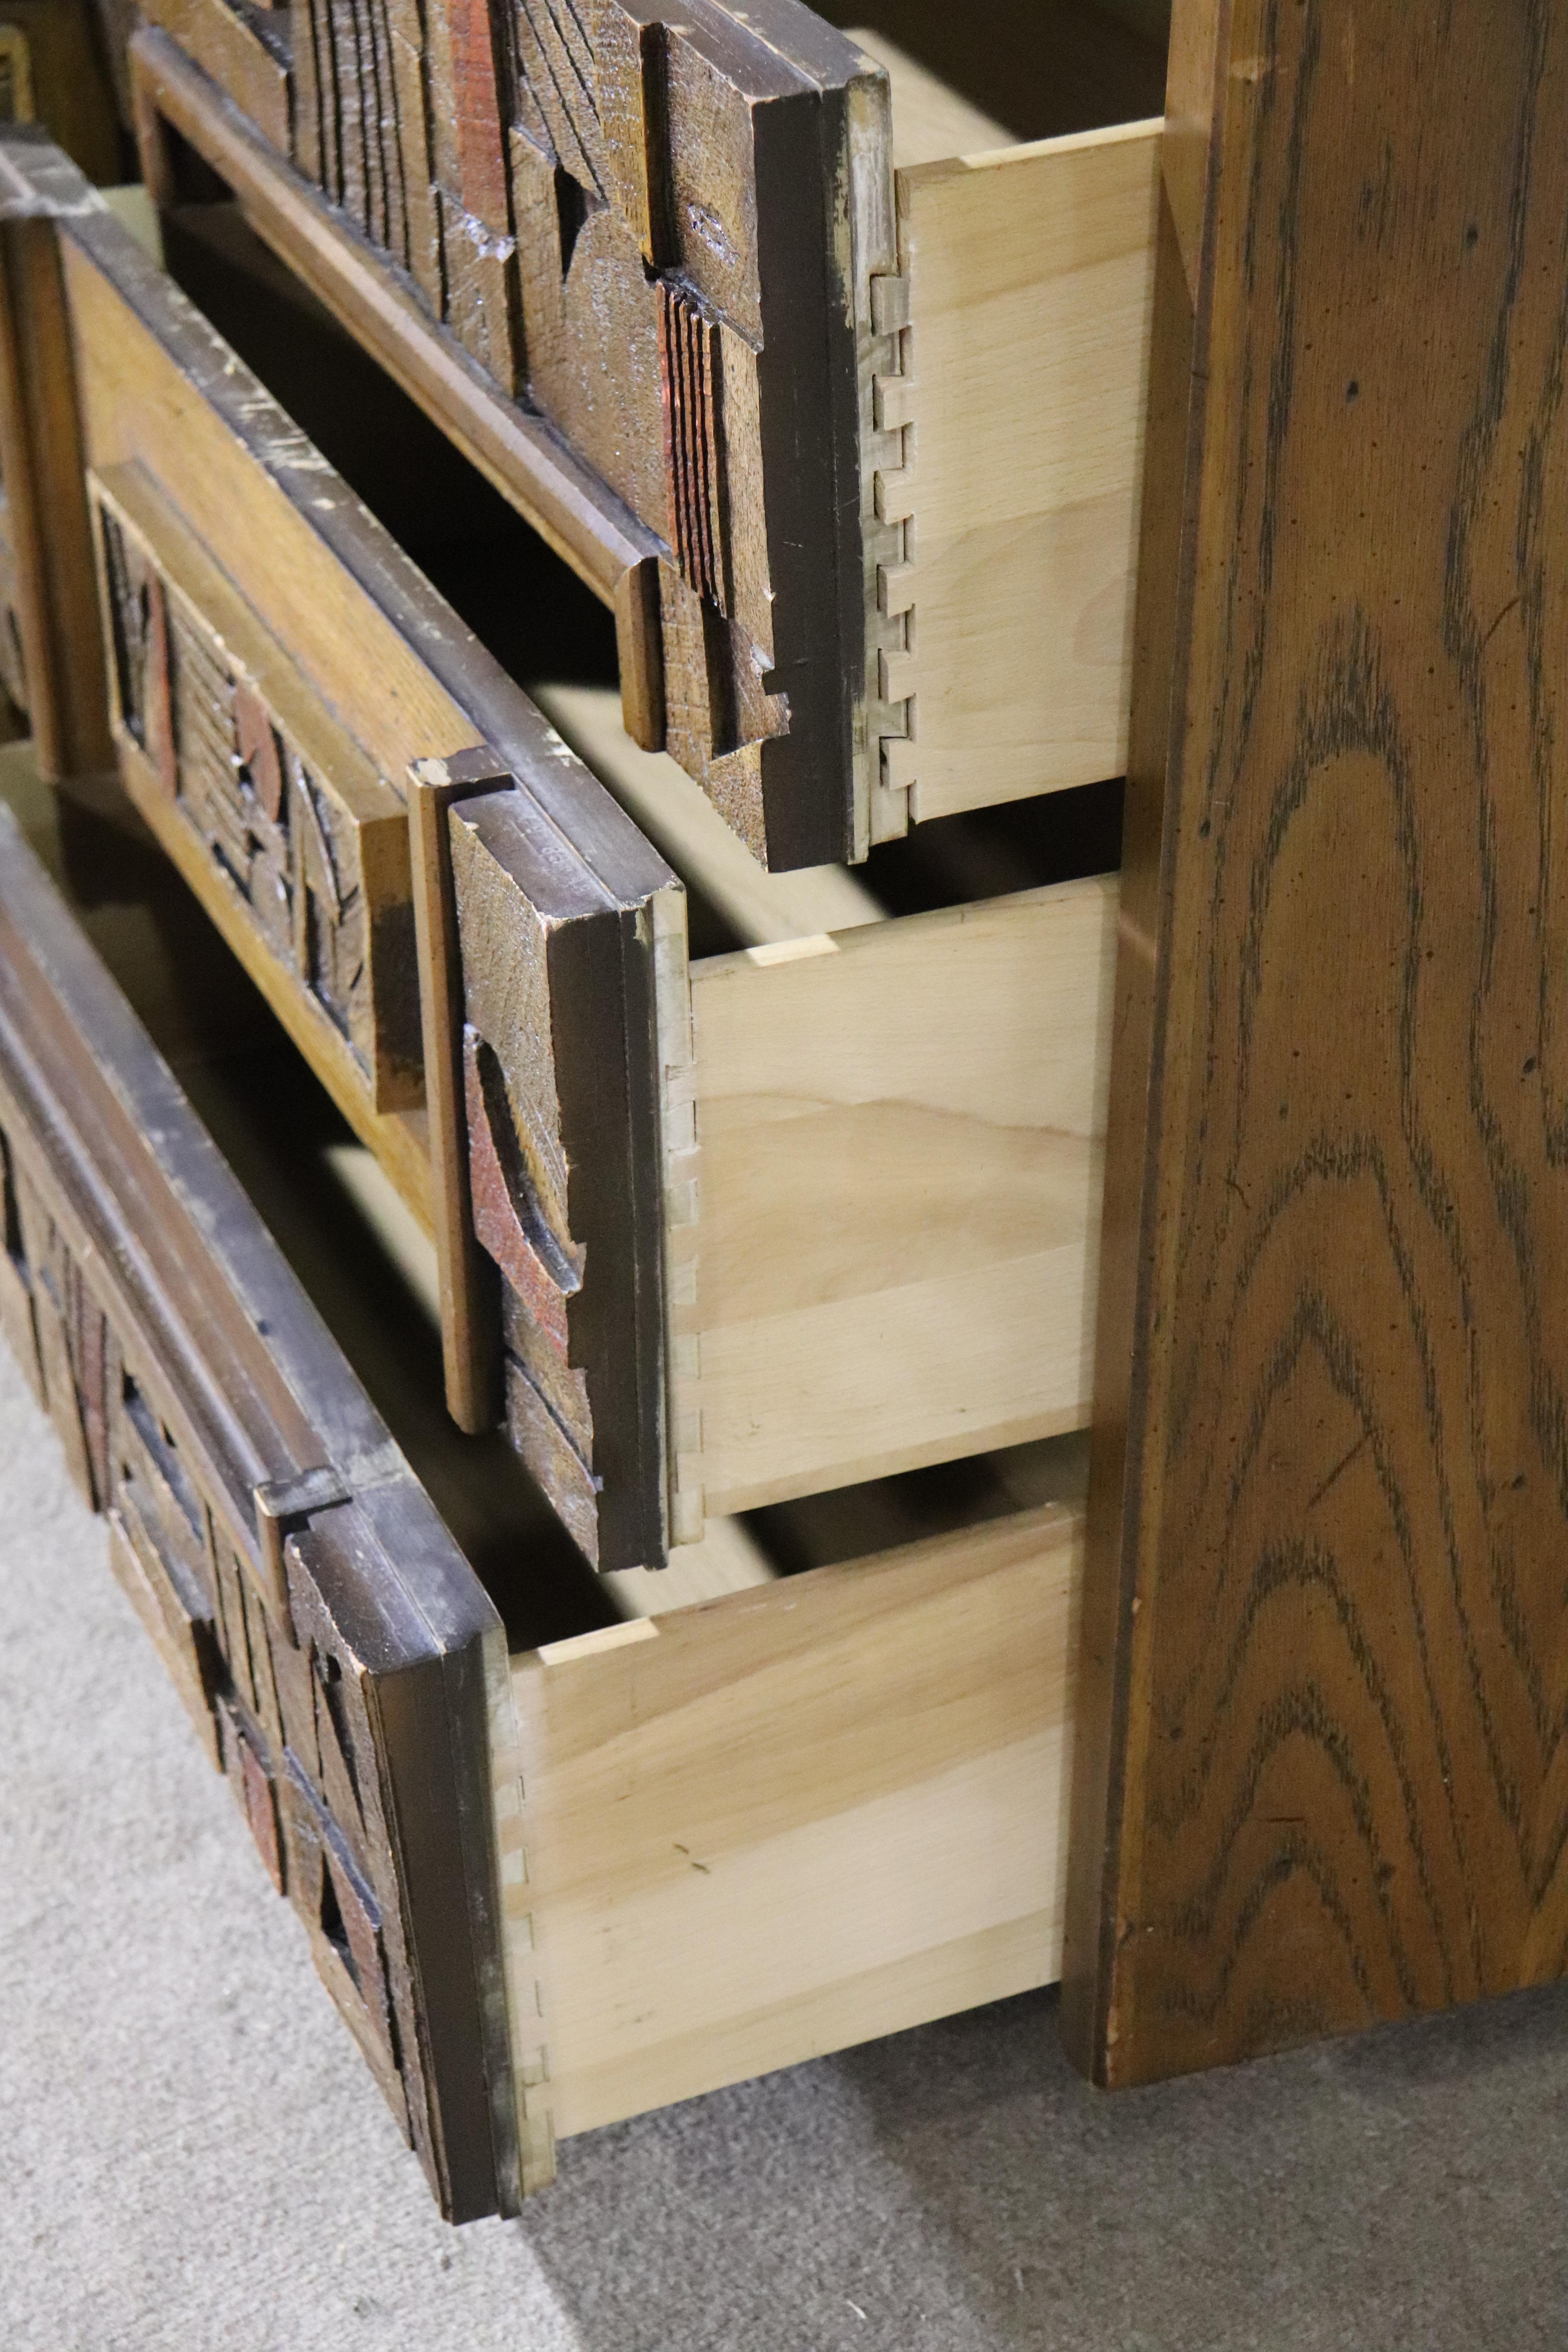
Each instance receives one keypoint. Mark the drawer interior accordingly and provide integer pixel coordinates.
(1005, 439)
(804, 1786)
(1040, 68)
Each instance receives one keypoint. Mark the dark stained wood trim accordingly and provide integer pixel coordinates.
(558, 972)
(186, 1370)
(470, 1291)
(41, 466)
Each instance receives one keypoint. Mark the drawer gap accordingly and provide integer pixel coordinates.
(1044, 69)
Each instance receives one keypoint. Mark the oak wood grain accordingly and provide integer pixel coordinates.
(1329, 1653)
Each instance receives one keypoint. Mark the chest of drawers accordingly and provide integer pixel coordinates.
(672, 1120)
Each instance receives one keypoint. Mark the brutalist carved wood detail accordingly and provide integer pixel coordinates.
(690, 368)
(544, 1127)
(281, 1709)
(308, 839)
(659, 231)
(327, 1638)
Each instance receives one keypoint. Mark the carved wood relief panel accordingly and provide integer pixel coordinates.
(282, 1712)
(650, 230)
(553, 1098)
(296, 825)
(327, 1639)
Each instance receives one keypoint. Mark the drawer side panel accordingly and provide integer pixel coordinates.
(773, 1824)
(1029, 282)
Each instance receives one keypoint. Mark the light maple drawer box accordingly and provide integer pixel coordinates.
(715, 1230)
(831, 385)
(553, 1872)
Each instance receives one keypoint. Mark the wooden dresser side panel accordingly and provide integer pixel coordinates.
(1329, 1675)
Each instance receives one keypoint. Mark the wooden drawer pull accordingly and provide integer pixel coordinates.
(470, 1300)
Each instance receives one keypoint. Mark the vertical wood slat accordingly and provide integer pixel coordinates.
(306, 128)
(391, 132)
(1321, 1778)
(354, 192)
(42, 467)
(688, 388)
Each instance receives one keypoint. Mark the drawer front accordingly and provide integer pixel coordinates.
(280, 672)
(704, 196)
(329, 1640)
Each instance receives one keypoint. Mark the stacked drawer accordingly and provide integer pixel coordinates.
(831, 411)
(747, 1178)
(564, 1868)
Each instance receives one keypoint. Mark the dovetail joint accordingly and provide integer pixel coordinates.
(890, 527)
(527, 2045)
(681, 1158)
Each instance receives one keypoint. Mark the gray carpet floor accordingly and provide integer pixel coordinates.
(193, 2157)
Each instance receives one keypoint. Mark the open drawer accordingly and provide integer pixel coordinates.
(321, 1624)
(716, 1229)
(830, 374)
(598, 1860)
